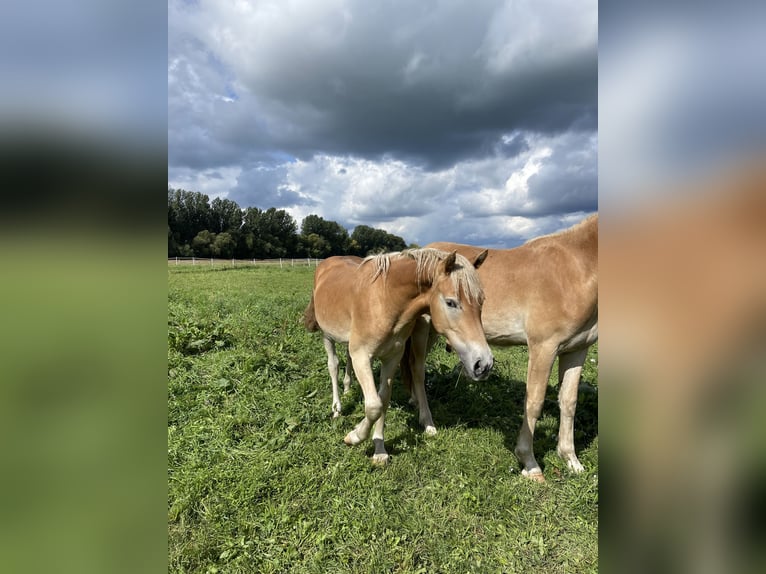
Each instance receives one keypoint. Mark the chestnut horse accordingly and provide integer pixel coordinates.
(543, 294)
(373, 306)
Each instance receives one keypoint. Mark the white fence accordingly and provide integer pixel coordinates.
(212, 262)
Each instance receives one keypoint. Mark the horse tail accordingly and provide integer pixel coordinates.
(310, 318)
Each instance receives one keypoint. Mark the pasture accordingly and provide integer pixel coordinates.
(259, 479)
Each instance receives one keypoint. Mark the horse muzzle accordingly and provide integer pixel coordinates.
(481, 368)
(477, 361)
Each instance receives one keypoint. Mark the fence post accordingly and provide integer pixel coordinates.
(280, 263)
(176, 260)
(194, 261)
(211, 261)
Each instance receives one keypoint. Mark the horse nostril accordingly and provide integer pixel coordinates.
(481, 369)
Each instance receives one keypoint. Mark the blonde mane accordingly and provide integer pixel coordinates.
(427, 261)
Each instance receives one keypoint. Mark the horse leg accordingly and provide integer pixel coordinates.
(387, 370)
(332, 366)
(570, 367)
(348, 377)
(373, 406)
(541, 359)
(421, 341)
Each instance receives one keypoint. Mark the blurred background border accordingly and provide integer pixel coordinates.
(83, 132)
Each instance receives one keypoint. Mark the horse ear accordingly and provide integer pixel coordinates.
(449, 262)
(480, 259)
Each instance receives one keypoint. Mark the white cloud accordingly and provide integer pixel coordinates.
(213, 182)
(424, 206)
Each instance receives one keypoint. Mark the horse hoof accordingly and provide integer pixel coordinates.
(430, 431)
(535, 475)
(380, 459)
(352, 439)
(575, 466)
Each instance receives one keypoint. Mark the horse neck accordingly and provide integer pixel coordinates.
(403, 281)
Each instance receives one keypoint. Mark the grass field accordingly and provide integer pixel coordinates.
(259, 479)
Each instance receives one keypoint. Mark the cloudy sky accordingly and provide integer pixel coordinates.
(434, 120)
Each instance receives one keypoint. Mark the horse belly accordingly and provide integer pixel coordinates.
(335, 322)
(504, 332)
(337, 335)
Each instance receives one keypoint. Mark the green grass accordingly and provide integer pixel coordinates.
(259, 479)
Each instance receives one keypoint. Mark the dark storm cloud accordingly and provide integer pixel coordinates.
(431, 84)
(569, 183)
(512, 145)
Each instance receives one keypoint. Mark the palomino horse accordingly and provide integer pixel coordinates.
(543, 294)
(352, 262)
(373, 307)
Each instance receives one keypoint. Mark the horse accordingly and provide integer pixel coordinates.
(373, 306)
(353, 262)
(543, 294)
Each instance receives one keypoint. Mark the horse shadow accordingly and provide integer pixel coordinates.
(496, 403)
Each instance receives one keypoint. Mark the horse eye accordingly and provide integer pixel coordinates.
(452, 304)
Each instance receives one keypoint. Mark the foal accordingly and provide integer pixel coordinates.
(373, 306)
(333, 363)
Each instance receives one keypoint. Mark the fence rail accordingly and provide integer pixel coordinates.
(212, 262)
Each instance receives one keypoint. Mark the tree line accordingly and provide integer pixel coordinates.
(198, 227)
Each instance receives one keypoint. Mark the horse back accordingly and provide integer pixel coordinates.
(545, 289)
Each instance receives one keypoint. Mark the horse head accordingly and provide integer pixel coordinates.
(455, 300)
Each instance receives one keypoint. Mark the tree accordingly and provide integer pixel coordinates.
(279, 230)
(225, 215)
(333, 233)
(198, 227)
(188, 214)
(316, 245)
(366, 240)
(268, 234)
(202, 243)
(393, 242)
(248, 246)
(223, 246)
(173, 247)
